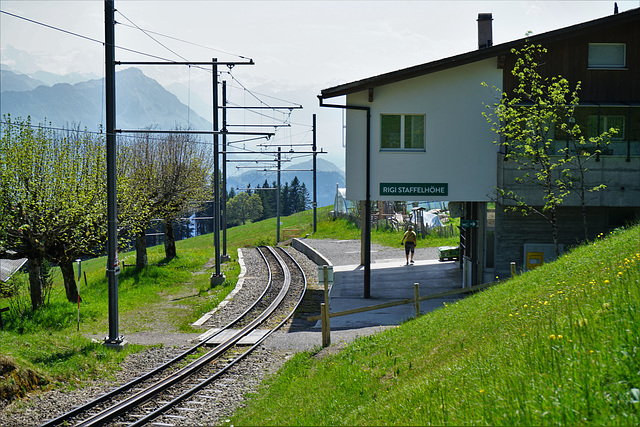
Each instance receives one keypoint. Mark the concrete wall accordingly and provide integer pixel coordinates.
(311, 253)
(459, 147)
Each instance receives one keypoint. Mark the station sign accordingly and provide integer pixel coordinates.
(414, 189)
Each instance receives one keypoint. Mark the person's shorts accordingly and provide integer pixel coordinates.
(409, 247)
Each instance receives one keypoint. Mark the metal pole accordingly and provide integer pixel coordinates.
(367, 212)
(216, 278)
(114, 337)
(225, 256)
(315, 188)
(278, 200)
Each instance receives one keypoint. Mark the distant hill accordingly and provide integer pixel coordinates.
(10, 81)
(328, 175)
(141, 102)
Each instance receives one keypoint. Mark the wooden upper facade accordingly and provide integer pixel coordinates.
(568, 56)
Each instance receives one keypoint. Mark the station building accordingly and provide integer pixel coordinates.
(421, 132)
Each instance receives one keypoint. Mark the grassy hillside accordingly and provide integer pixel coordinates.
(558, 345)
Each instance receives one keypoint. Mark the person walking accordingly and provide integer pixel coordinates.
(410, 241)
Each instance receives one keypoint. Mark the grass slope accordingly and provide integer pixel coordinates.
(557, 345)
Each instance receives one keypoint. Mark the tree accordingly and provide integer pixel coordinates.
(85, 225)
(243, 208)
(51, 206)
(584, 151)
(525, 121)
(168, 177)
(285, 205)
(138, 197)
(267, 197)
(184, 168)
(294, 196)
(303, 198)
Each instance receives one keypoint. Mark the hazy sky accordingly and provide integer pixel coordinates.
(299, 47)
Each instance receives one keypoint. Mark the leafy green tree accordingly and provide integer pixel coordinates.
(51, 206)
(303, 198)
(243, 208)
(525, 121)
(85, 219)
(168, 177)
(138, 197)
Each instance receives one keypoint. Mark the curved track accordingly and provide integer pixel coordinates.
(129, 406)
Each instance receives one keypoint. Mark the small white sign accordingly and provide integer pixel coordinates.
(321, 274)
(116, 266)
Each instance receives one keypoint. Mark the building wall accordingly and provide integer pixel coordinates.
(459, 142)
(621, 177)
(513, 230)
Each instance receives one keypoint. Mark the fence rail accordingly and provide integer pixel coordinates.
(416, 300)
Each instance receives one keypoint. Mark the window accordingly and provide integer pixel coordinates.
(606, 123)
(607, 55)
(402, 132)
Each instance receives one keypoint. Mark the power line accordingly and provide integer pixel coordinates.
(52, 27)
(33, 21)
(151, 37)
(184, 41)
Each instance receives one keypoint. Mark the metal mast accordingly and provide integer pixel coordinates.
(217, 277)
(114, 339)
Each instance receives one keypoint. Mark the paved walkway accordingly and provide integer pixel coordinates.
(391, 280)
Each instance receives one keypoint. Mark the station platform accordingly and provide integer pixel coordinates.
(391, 280)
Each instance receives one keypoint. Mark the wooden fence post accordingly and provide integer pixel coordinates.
(416, 293)
(326, 332)
(513, 269)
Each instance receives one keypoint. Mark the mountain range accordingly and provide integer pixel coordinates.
(141, 102)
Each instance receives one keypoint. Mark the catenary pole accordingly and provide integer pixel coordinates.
(315, 187)
(217, 277)
(113, 339)
(278, 199)
(225, 256)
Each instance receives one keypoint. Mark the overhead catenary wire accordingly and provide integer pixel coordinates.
(186, 41)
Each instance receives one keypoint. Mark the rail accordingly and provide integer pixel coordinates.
(195, 366)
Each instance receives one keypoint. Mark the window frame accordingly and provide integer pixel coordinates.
(402, 136)
(591, 66)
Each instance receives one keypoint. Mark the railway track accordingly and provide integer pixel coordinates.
(157, 395)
